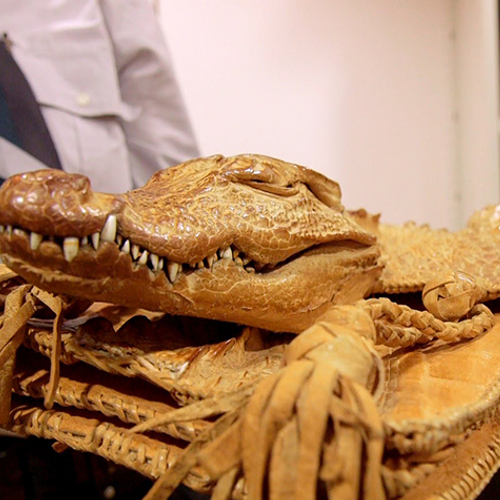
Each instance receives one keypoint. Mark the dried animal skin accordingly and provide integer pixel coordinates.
(147, 455)
(265, 243)
(436, 399)
(411, 255)
(160, 353)
(467, 470)
(80, 386)
(246, 239)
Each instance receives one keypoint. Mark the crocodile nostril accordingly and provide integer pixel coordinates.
(80, 183)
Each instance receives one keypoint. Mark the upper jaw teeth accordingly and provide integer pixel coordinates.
(95, 237)
(155, 261)
(142, 257)
(108, 232)
(135, 251)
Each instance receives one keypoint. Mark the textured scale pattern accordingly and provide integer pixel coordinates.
(247, 239)
(372, 400)
(411, 255)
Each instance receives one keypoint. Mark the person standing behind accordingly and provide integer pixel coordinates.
(102, 76)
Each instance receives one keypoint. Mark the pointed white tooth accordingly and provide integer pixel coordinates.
(172, 270)
(108, 232)
(200, 265)
(135, 251)
(161, 263)
(119, 240)
(250, 269)
(238, 261)
(226, 253)
(35, 240)
(8, 230)
(95, 240)
(71, 246)
(144, 258)
(210, 261)
(84, 241)
(154, 261)
(245, 260)
(236, 252)
(126, 247)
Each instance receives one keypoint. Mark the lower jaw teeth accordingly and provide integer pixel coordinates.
(35, 240)
(70, 248)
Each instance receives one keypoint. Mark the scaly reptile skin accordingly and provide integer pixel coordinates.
(247, 239)
(412, 255)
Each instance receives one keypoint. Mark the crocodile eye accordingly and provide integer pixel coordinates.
(262, 178)
(287, 190)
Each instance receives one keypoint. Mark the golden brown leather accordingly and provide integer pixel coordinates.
(371, 400)
(247, 239)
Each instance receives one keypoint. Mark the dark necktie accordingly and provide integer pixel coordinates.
(21, 121)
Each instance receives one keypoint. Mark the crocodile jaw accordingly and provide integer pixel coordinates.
(288, 298)
(298, 250)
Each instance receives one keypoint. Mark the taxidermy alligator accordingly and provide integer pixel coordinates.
(265, 243)
(247, 239)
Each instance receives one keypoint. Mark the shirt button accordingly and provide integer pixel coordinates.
(83, 99)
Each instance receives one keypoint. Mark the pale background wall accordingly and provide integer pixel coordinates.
(363, 91)
(478, 91)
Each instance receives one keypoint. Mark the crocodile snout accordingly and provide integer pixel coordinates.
(54, 202)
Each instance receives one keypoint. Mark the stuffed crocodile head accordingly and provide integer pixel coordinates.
(247, 239)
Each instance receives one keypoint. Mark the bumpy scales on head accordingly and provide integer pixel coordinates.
(248, 239)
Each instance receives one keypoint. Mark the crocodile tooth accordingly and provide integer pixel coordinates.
(126, 247)
(84, 241)
(226, 253)
(236, 252)
(200, 265)
(250, 269)
(95, 240)
(154, 261)
(2, 229)
(172, 270)
(119, 240)
(246, 260)
(135, 251)
(210, 261)
(8, 230)
(71, 246)
(238, 261)
(144, 258)
(161, 263)
(20, 232)
(108, 232)
(35, 240)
